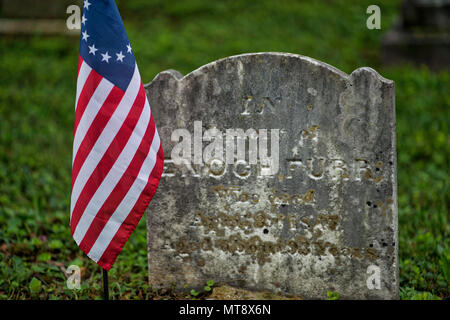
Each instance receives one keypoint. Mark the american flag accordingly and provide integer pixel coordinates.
(117, 154)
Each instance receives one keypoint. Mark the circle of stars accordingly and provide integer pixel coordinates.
(92, 49)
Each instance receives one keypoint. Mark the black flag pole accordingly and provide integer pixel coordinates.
(105, 285)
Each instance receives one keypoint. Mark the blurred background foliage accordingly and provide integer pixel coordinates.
(37, 91)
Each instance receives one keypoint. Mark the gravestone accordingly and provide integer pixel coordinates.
(279, 175)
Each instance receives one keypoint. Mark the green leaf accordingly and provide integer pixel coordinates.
(194, 293)
(425, 296)
(55, 244)
(36, 242)
(210, 283)
(444, 262)
(77, 262)
(332, 295)
(37, 268)
(44, 257)
(207, 288)
(35, 285)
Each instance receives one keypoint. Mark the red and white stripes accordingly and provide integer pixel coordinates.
(117, 163)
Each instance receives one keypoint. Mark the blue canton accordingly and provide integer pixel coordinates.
(104, 44)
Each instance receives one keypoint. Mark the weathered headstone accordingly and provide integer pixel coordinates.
(302, 200)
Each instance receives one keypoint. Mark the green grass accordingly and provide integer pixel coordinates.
(37, 88)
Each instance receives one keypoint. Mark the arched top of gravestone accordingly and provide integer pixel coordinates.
(266, 57)
(276, 88)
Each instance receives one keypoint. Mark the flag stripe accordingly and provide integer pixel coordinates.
(108, 160)
(97, 224)
(80, 61)
(84, 119)
(108, 182)
(95, 128)
(106, 137)
(83, 74)
(93, 106)
(125, 218)
(129, 224)
(86, 95)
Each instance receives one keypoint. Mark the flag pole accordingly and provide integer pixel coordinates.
(105, 285)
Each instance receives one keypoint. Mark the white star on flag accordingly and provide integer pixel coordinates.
(120, 56)
(85, 35)
(83, 19)
(128, 48)
(87, 4)
(106, 57)
(92, 49)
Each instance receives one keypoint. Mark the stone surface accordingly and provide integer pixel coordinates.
(225, 292)
(319, 215)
